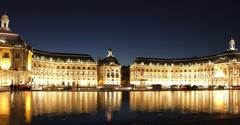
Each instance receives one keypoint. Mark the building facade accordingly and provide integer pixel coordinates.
(21, 64)
(63, 69)
(15, 56)
(109, 70)
(220, 69)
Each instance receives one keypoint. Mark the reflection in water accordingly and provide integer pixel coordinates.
(64, 102)
(28, 108)
(186, 101)
(110, 101)
(4, 108)
(23, 107)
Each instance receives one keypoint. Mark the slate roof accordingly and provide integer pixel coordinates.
(226, 56)
(109, 61)
(63, 56)
(12, 39)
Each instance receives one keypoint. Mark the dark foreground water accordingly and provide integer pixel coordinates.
(70, 108)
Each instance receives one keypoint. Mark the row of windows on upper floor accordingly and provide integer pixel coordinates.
(225, 59)
(112, 75)
(7, 55)
(181, 70)
(53, 79)
(112, 70)
(173, 76)
(42, 58)
(66, 67)
(66, 73)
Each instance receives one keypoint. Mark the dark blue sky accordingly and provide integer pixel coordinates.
(163, 28)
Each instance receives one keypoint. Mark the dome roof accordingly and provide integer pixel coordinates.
(109, 61)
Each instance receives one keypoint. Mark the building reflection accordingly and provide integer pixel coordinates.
(186, 101)
(21, 107)
(64, 102)
(110, 102)
(28, 108)
(4, 108)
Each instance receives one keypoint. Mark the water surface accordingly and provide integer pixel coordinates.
(61, 108)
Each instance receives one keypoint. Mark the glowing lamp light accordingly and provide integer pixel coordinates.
(2, 41)
(219, 74)
(5, 64)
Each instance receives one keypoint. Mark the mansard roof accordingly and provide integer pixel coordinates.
(63, 56)
(223, 57)
(12, 39)
(109, 61)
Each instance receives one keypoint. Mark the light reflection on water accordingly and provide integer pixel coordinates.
(23, 107)
(186, 101)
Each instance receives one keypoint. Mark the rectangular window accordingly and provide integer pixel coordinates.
(6, 55)
(17, 55)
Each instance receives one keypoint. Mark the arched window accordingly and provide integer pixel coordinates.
(84, 68)
(117, 75)
(112, 74)
(63, 67)
(68, 67)
(78, 67)
(108, 75)
(89, 68)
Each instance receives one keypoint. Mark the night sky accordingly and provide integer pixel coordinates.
(164, 28)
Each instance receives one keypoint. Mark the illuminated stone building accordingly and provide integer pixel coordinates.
(63, 69)
(220, 69)
(15, 56)
(21, 64)
(109, 70)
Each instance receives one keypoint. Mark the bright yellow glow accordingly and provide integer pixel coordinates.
(2, 40)
(220, 100)
(64, 102)
(4, 108)
(5, 63)
(192, 101)
(218, 73)
(28, 108)
(29, 65)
